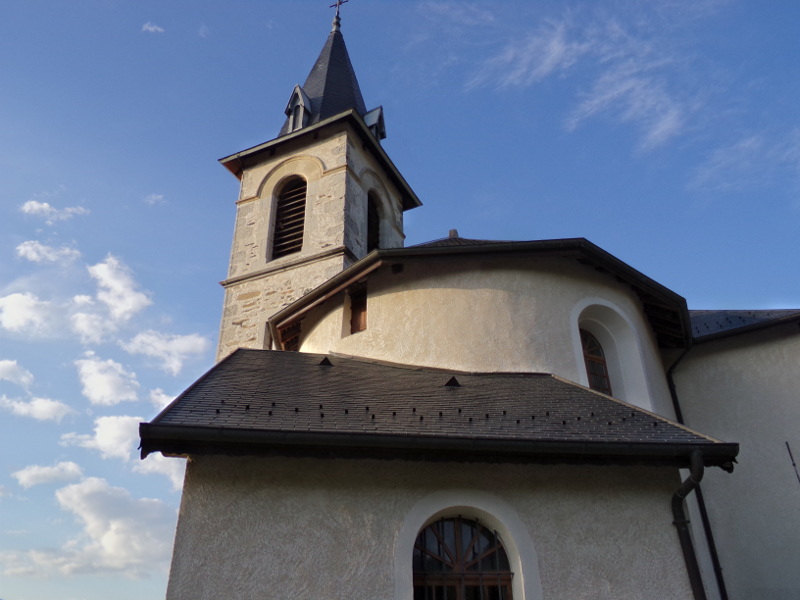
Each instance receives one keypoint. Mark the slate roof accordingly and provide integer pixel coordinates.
(712, 324)
(259, 401)
(331, 85)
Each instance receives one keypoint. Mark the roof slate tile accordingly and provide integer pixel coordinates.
(263, 390)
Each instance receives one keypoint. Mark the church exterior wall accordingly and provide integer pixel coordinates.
(490, 314)
(339, 176)
(746, 388)
(308, 528)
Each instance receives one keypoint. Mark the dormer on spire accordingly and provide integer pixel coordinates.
(374, 120)
(298, 109)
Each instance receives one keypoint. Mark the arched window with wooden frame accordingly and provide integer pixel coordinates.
(460, 559)
(596, 366)
(373, 223)
(290, 217)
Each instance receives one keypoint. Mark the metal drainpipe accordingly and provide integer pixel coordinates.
(682, 523)
(712, 546)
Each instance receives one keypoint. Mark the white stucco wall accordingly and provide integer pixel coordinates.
(493, 314)
(747, 389)
(340, 529)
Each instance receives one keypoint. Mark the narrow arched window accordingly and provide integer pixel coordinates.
(290, 216)
(373, 223)
(460, 559)
(596, 367)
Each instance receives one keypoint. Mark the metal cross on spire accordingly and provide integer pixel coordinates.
(337, 5)
(336, 19)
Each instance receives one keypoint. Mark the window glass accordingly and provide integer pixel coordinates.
(460, 559)
(596, 367)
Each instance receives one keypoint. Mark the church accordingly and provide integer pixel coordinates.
(466, 419)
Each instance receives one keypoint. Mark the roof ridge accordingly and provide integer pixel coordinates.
(386, 363)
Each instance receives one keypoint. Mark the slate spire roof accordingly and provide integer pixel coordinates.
(331, 85)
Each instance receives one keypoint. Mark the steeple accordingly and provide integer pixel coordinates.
(331, 87)
(312, 201)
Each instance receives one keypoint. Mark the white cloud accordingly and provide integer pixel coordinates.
(106, 382)
(117, 288)
(173, 468)
(528, 61)
(120, 534)
(468, 14)
(41, 409)
(160, 399)
(39, 253)
(203, 32)
(755, 160)
(152, 28)
(154, 199)
(24, 313)
(49, 213)
(11, 371)
(113, 437)
(92, 328)
(118, 438)
(172, 350)
(82, 300)
(632, 96)
(630, 68)
(37, 475)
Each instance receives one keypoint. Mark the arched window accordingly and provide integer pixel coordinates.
(373, 223)
(290, 216)
(596, 367)
(460, 559)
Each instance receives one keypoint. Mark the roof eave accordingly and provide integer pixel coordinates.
(578, 248)
(234, 162)
(747, 329)
(186, 441)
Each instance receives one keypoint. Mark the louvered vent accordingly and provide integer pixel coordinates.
(290, 219)
(373, 224)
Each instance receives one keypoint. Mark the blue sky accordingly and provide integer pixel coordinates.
(667, 133)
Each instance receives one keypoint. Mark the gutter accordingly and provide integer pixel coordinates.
(682, 523)
(701, 504)
(182, 439)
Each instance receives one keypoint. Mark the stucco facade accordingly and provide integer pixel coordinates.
(259, 521)
(494, 314)
(340, 528)
(746, 387)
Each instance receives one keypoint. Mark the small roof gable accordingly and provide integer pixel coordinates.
(713, 324)
(331, 85)
(258, 401)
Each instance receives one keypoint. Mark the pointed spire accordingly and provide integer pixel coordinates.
(331, 85)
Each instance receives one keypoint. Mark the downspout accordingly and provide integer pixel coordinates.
(712, 546)
(682, 523)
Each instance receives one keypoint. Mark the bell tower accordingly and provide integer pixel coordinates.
(312, 201)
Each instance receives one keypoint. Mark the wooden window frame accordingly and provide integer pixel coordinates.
(596, 364)
(466, 561)
(358, 309)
